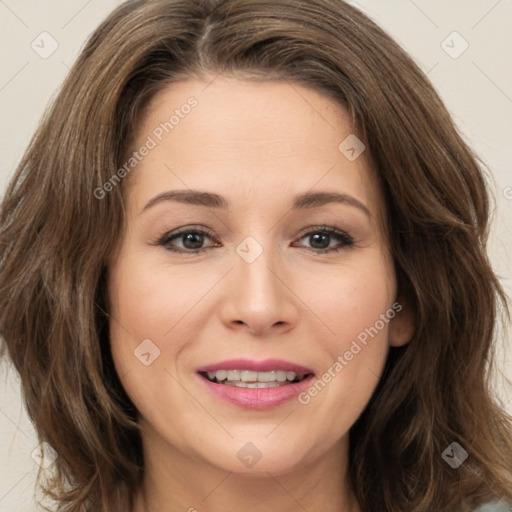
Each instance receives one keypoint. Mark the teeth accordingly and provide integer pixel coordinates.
(251, 379)
(281, 375)
(246, 376)
(259, 385)
(266, 376)
(233, 375)
(221, 375)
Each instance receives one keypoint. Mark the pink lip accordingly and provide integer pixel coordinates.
(266, 365)
(256, 398)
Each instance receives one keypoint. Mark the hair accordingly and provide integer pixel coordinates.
(56, 237)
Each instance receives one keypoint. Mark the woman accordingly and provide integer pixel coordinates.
(243, 266)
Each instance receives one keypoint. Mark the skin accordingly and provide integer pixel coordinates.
(258, 145)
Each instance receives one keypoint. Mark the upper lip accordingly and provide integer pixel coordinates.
(256, 366)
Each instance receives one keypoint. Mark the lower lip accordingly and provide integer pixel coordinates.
(257, 398)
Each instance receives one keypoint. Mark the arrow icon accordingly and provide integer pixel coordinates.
(249, 455)
(454, 455)
(249, 253)
(351, 147)
(44, 455)
(44, 45)
(146, 352)
(454, 45)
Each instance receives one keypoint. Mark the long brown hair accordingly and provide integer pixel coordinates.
(56, 236)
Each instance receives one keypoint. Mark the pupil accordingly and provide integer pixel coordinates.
(195, 239)
(318, 238)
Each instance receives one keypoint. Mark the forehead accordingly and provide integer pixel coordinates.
(251, 140)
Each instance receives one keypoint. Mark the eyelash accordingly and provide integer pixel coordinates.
(346, 240)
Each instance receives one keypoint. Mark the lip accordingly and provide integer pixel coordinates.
(266, 365)
(256, 398)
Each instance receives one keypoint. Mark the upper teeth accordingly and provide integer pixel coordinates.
(250, 376)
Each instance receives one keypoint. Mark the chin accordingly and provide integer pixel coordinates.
(257, 454)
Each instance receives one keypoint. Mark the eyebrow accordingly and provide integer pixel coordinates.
(212, 200)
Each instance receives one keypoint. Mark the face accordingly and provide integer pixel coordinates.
(262, 310)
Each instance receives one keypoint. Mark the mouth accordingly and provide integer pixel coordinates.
(255, 385)
(254, 380)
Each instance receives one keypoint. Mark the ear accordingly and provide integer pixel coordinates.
(403, 325)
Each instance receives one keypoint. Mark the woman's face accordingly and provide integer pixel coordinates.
(279, 271)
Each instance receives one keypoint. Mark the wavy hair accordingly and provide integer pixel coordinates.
(56, 237)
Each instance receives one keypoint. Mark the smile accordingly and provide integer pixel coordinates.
(253, 384)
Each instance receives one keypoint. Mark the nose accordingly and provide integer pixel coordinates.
(259, 297)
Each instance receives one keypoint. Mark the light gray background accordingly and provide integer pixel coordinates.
(476, 86)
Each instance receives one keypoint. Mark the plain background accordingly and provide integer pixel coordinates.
(474, 82)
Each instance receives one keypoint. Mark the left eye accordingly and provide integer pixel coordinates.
(321, 237)
(192, 240)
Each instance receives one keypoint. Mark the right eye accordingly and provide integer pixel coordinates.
(191, 239)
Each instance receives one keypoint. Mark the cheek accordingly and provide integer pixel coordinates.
(151, 302)
(147, 330)
(357, 307)
(139, 307)
(352, 299)
(162, 304)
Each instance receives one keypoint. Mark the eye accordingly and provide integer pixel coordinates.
(191, 238)
(321, 237)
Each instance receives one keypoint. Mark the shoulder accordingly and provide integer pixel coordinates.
(495, 506)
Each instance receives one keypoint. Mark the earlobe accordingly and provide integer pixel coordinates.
(402, 326)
